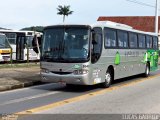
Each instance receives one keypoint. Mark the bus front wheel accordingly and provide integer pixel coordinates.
(108, 79)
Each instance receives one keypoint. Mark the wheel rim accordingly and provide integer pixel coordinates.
(147, 70)
(107, 78)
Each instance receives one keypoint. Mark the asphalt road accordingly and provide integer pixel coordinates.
(27, 98)
(130, 95)
(139, 98)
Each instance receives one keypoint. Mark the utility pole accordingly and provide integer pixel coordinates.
(156, 16)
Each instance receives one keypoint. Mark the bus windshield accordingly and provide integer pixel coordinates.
(66, 44)
(4, 42)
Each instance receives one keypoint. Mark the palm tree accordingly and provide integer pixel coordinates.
(64, 10)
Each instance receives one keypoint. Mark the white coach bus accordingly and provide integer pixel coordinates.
(96, 54)
(20, 41)
(5, 49)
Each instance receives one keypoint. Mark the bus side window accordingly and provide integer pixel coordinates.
(110, 38)
(96, 45)
(149, 41)
(155, 42)
(142, 41)
(132, 40)
(122, 39)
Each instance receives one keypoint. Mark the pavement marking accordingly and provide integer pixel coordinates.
(83, 97)
(28, 98)
(22, 89)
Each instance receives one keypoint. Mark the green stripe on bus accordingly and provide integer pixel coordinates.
(117, 59)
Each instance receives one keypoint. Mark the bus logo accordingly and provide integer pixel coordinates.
(76, 67)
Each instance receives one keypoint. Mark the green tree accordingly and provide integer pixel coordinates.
(64, 10)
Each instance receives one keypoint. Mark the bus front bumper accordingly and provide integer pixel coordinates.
(68, 79)
(4, 58)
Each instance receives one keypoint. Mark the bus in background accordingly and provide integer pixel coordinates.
(96, 54)
(5, 49)
(20, 41)
(32, 41)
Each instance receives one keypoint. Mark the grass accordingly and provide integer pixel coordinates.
(19, 65)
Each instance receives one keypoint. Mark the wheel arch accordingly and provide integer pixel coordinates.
(148, 63)
(111, 69)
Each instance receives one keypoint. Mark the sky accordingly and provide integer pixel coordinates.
(17, 14)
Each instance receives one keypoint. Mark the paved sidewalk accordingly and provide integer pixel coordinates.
(18, 77)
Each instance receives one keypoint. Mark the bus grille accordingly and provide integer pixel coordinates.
(61, 73)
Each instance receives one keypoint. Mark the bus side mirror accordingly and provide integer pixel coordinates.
(34, 44)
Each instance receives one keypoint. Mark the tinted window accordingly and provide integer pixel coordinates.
(122, 39)
(133, 40)
(142, 41)
(110, 37)
(66, 44)
(155, 42)
(11, 37)
(98, 39)
(149, 41)
(97, 45)
(4, 42)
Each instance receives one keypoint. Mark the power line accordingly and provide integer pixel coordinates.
(141, 3)
(156, 11)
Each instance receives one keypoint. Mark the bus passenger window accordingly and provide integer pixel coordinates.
(155, 42)
(149, 41)
(133, 40)
(110, 37)
(122, 39)
(142, 41)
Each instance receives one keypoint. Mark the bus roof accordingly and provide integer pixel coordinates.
(2, 34)
(30, 33)
(61, 25)
(119, 26)
(108, 24)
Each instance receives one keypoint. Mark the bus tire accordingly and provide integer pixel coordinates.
(147, 71)
(108, 79)
(70, 85)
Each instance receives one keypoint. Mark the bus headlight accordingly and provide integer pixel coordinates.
(44, 70)
(80, 72)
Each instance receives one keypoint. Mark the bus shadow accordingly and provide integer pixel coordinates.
(92, 88)
(75, 88)
(127, 80)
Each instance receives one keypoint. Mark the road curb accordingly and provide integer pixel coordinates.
(4, 88)
(19, 85)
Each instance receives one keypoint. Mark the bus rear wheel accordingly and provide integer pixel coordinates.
(108, 79)
(147, 70)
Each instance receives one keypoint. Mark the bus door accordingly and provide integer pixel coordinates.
(20, 43)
